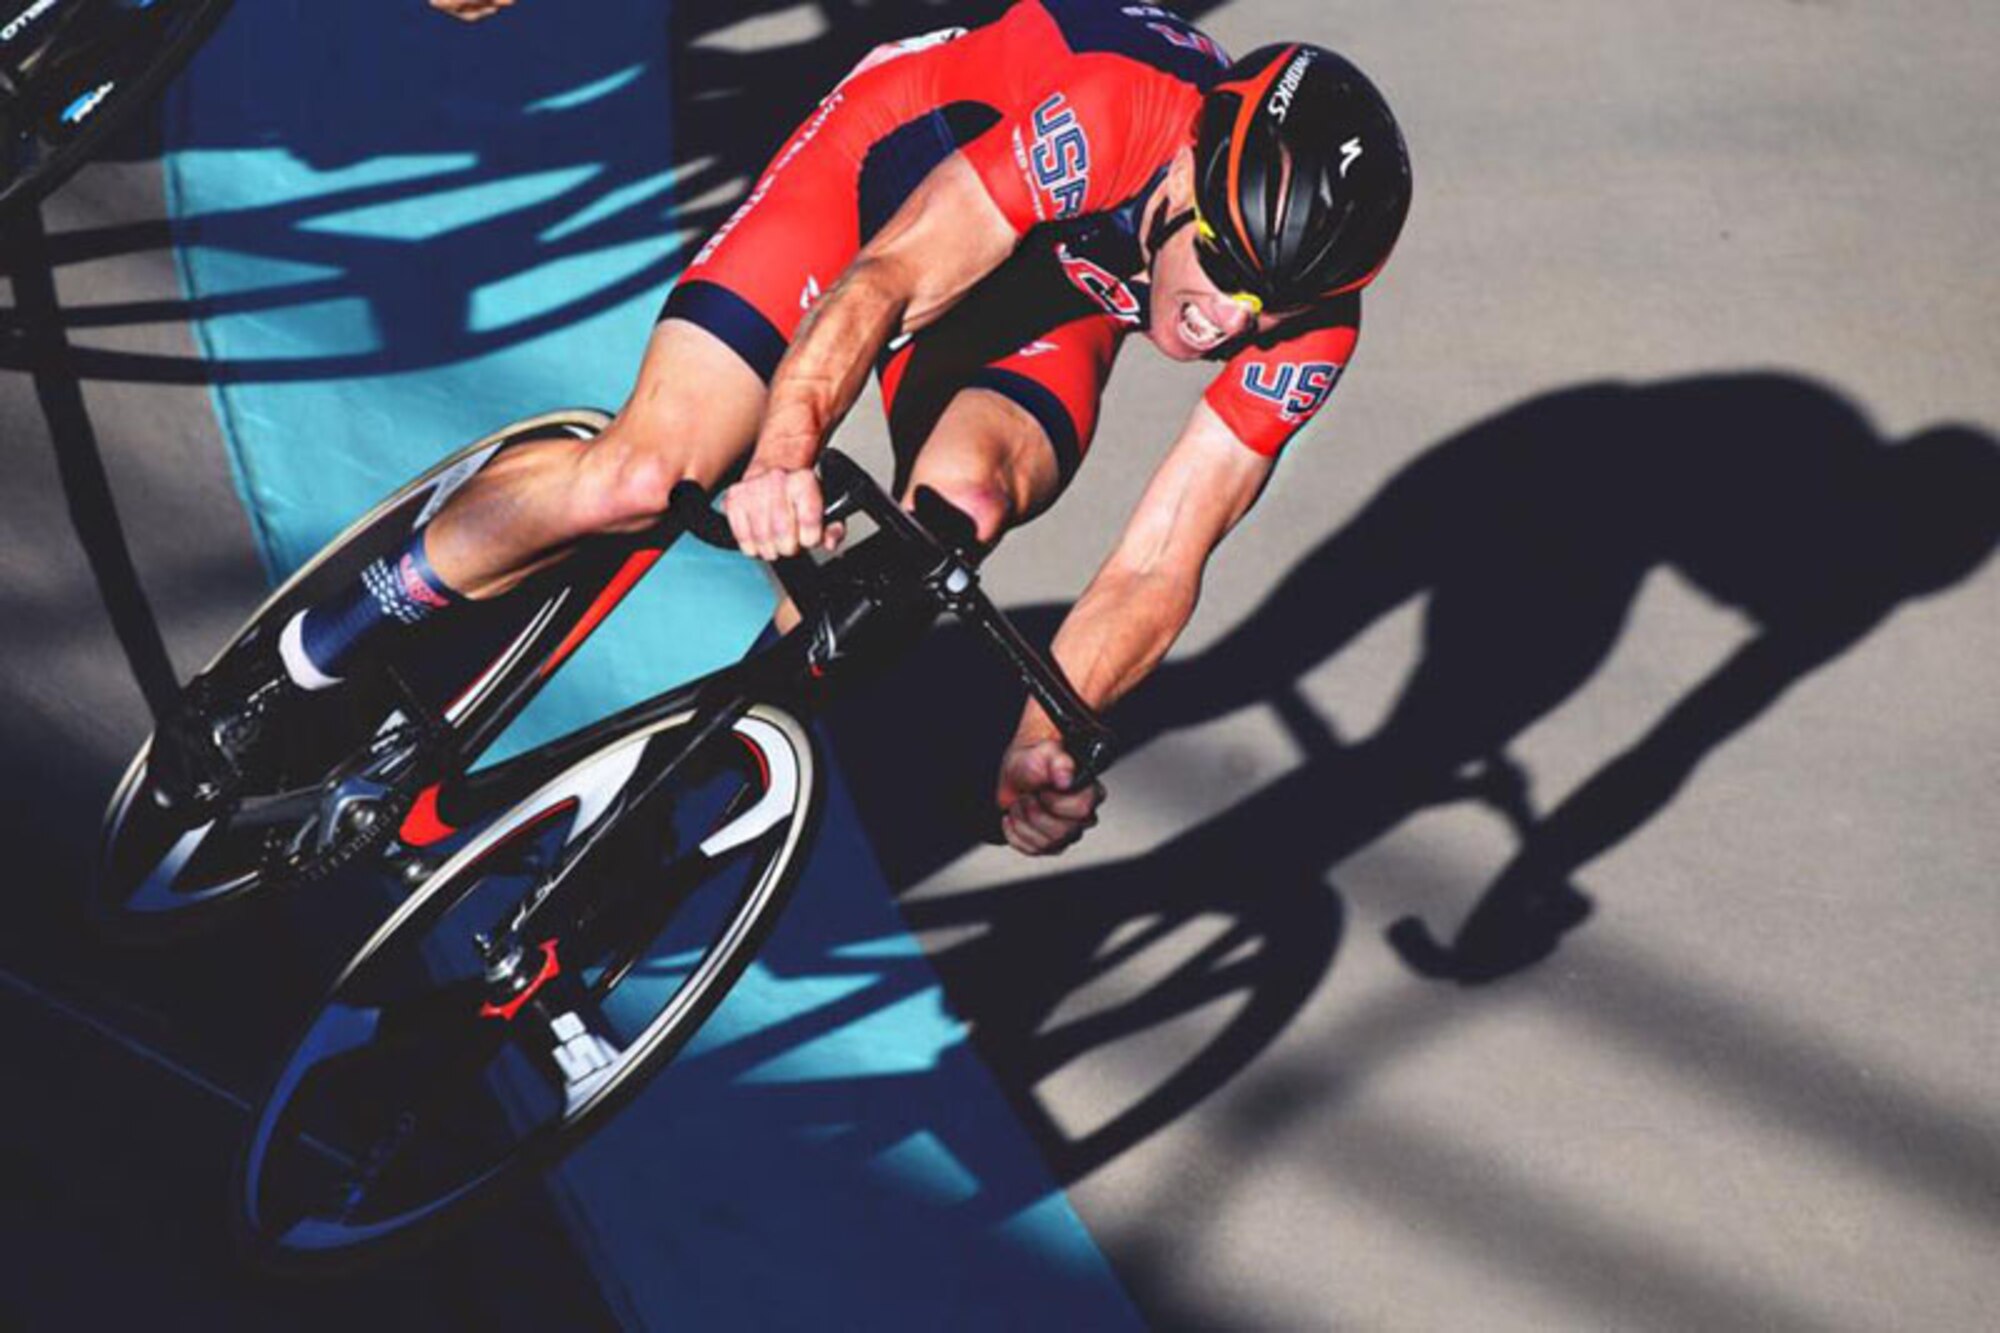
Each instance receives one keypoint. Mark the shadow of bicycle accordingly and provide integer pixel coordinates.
(1525, 538)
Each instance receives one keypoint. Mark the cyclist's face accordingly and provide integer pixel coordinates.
(1191, 316)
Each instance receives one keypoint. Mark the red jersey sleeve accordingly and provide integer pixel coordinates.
(1271, 388)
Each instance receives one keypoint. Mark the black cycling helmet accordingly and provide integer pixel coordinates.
(1300, 175)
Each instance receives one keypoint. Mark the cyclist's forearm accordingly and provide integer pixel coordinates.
(1115, 636)
(827, 365)
(946, 237)
(1145, 594)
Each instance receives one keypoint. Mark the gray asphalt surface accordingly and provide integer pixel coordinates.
(1624, 497)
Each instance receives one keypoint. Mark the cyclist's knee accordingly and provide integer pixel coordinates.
(987, 501)
(622, 481)
(991, 460)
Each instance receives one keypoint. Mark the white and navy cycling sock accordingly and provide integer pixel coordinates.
(322, 643)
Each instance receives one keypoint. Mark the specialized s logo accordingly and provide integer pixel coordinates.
(1298, 390)
(1060, 158)
(1350, 153)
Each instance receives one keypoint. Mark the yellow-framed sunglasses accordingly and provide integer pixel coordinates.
(1221, 270)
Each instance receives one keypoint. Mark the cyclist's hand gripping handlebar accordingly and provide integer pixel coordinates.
(944, 563)
(689, 507)
(947, 567)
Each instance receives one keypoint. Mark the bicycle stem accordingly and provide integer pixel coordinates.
(946, 565)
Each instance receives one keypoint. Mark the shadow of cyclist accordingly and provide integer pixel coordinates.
(1526, 537)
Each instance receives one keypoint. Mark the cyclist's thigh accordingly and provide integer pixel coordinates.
(838, 180)
(754, 279)
(695, 407)
(701, 388)
(737, 307)
(1001, 438)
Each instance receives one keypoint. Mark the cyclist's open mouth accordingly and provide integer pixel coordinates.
(1196, 330)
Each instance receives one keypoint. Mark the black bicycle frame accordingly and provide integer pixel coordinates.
(934, 559)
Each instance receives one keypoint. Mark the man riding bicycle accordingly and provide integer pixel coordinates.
(982, 217)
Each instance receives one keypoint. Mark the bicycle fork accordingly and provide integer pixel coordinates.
(546, 1003)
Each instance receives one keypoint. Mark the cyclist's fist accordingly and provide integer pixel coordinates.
(778, 511)
(1040, 812)
(470, 10)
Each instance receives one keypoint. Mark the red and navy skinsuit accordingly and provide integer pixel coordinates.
(1070, 111)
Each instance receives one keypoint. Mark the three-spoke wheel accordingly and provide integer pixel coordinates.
(354, 761)
(525, 987)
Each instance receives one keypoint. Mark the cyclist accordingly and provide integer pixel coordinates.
(983, 217)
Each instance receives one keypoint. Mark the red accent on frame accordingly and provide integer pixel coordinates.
(480, 675)
(550, 969)
(423, 825)
(763, 764)
(614, 592)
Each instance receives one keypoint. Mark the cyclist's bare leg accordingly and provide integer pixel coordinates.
(990, 458)
(692, 414)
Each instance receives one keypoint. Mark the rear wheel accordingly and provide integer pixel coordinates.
(360, 758)
(526, 989)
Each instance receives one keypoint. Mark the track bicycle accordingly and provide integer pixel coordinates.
(574, 912)
(73, 71)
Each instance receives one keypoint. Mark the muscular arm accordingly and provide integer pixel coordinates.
(946, 237)
(1145, 594)
(1127, 618)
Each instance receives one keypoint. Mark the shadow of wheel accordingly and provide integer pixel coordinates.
(1077, 982)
